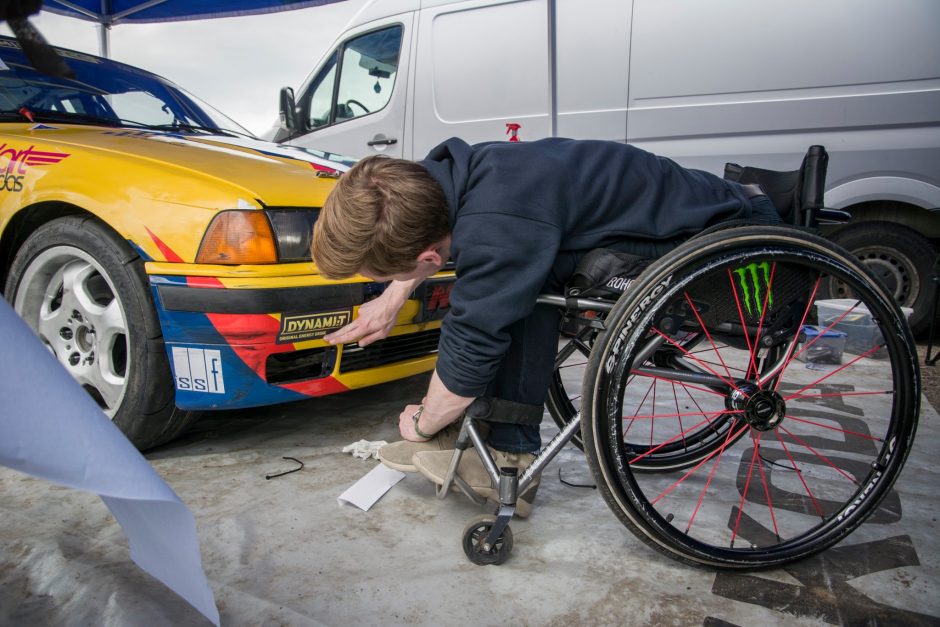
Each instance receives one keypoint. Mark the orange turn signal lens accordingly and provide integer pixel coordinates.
(238, 237)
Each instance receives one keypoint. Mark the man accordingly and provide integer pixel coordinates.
(515, 218)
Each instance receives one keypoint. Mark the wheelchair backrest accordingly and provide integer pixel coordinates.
(797, 194)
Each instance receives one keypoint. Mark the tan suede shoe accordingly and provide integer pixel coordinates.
(434, 465)
(398, 455)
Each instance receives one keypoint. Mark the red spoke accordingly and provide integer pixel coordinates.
(701, 496)
(747, 338)
(719, 451)
(800, 475)
(677, 436)
(741, 371)
(790, 356)
(707, 334)
(818, 454)
(763, 311)
(770, 505)
(730, 383)
(832, 324)
(846, 431)
(836, 371)
(747, 485)
(682, 383)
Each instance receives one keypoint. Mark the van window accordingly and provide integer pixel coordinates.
(321, 98)
(367, 69)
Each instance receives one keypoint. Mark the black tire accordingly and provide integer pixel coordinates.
(474, 535)
(103, 329)
(811, 449)
(901, 258)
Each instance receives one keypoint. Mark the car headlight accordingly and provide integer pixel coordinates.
(293, 230)
(250, 236)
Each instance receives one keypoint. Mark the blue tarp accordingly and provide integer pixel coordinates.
(112, 12)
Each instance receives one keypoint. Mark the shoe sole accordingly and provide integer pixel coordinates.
(397, 466)
(523, 507)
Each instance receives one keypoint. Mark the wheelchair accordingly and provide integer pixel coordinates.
(747, 402)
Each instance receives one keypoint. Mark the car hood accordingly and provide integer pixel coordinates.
(272, 173)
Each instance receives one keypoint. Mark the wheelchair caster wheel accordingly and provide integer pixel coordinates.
(474, 537)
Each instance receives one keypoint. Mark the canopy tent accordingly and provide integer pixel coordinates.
(107, 13)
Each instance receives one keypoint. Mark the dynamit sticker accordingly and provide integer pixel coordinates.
(311, 326)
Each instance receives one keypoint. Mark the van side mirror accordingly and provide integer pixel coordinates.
(288, 110)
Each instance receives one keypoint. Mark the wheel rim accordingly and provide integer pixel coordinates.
(71, 304)
(784, 478)
(474, 539)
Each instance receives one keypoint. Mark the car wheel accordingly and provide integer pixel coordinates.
(84, 292)
(900, 258)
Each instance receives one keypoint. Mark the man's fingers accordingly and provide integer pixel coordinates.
(364, 331)
(343, 334)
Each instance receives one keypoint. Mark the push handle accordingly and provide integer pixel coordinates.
(813, 186)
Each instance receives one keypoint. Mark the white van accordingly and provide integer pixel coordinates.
(701, 82)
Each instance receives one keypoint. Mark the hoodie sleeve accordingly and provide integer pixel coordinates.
(502, 263)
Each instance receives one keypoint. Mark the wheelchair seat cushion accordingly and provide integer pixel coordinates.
(605, 273)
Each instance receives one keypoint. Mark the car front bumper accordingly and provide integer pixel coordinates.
(243, 341)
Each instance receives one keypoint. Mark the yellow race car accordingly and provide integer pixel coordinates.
(161, 252)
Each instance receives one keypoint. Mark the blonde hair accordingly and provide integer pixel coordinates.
(380, 216)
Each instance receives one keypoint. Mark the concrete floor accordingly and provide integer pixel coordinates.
(284, 552)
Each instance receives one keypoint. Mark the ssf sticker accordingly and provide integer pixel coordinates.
(298, 328)
(198, 370)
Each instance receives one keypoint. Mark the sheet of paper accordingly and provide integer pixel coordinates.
(52, 429)
(365, 492)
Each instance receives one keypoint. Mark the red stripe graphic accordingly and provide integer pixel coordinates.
(168, 253)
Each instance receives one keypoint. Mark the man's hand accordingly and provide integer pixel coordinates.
(376, 318)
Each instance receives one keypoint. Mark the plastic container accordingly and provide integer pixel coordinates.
(821, 346)
(861, 333)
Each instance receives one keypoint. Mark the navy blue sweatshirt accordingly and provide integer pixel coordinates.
(514, 206)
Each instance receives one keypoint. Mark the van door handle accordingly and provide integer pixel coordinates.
(382, 142)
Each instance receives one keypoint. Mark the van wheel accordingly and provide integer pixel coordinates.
(901, 259)
(84, 292)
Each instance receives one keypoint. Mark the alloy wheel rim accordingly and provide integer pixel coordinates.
(69, 301)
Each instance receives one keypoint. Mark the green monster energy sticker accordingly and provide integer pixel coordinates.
(749, 277)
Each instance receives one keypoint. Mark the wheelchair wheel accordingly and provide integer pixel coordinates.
(727, 342)
(564, 402)
(474, 542)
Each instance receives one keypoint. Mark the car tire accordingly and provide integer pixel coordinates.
(900, 258)
(84, 292)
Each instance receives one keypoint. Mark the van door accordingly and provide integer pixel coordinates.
(354, 104)
(481, 66)
(712, 82)
(592, 61)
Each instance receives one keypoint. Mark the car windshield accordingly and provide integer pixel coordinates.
(102, 92)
